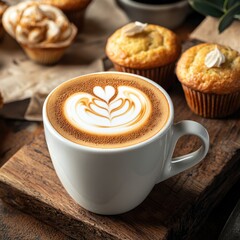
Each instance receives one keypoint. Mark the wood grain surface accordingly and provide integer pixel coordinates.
(14, 224)
(175, 209)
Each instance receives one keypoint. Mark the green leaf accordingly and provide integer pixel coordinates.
(219, 3)
(206, 8)
(229, 3)
(228, 17)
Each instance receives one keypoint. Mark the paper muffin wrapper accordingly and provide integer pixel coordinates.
(77, 17)
(51, 53)
(210, 105)
(44, 56)
(163, 75)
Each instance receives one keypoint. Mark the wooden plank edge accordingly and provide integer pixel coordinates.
(188, 225)
(190, 221)
(32, 206)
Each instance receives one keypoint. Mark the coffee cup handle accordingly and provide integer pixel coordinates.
(176, 165)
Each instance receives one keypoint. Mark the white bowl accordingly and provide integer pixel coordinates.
(167, 15)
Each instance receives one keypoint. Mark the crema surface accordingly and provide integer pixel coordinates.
(107, 110)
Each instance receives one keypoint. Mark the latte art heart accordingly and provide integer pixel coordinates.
(108, 110)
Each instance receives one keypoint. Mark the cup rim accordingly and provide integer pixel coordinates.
(154, 7)
(53, 131)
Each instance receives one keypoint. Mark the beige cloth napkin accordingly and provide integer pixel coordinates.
(207, 31)
(24, 85)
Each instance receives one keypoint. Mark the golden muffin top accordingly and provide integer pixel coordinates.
(210, 68)
(143, 46)
(68, 5)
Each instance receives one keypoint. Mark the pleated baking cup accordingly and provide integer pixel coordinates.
(211, 105)
(163, 75)
(50, 53)
(77, 17)
(45, 56)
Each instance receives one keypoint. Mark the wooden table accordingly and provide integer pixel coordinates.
(16, 225)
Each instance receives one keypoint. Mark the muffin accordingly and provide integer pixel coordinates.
(3, 7)
(210, 77)
(43, 31)
(74, 10)
(145, 49)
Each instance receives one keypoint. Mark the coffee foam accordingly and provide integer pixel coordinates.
(107, 111)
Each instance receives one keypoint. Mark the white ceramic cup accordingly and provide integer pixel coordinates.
(114, 181)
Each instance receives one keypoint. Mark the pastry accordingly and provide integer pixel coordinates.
(210, 77)
(74, 10)
(43, 31)
(145, 49)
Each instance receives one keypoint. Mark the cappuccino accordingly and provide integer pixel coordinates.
(109, 110)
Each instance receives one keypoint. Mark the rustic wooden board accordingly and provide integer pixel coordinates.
(175, 209)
